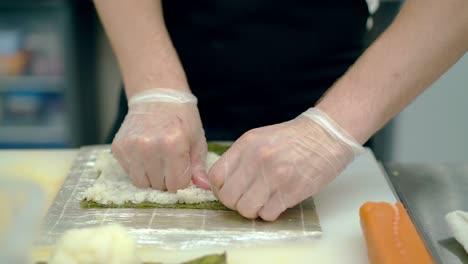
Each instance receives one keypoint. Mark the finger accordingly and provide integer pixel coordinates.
(176, 170)
(198, 155)
(123, 144)
(235, 186)
(137, 172)
(273, 207)
(226, 165)
(154, 171)
(198, 170)
(201, 182)
(119, 154)
(122, 160)
(253, 200)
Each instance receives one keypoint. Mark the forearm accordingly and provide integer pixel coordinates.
(426, 38)
(142, 44)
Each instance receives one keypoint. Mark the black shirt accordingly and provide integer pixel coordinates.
(253, 63)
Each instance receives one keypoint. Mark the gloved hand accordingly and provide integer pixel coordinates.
(161, 143)
(272, 168)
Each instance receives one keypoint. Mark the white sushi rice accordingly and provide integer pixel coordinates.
(100, 244)
(114, 186)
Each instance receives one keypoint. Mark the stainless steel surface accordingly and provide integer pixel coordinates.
(429, 192)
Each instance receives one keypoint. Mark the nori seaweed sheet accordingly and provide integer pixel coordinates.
(212, 205)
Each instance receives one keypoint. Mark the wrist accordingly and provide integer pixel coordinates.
(358, 126)
(335, 130)
(131, 91)
(167, 95)
(153, 67)
(145, 75)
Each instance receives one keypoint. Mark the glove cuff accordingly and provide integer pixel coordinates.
(334, 129)
(162, 95)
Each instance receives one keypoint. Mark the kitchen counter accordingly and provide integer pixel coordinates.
(46, 168)
(337, 205)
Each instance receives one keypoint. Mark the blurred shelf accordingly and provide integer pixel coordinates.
(32, 83)
(33, 134)
(32, 4)
(52, 145)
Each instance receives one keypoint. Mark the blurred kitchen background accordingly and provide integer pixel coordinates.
(59, 86)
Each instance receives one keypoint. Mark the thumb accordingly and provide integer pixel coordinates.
(198, 158)
(201, 182)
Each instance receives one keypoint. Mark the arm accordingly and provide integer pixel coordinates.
(426, 38)
(142, 45)
(273, 168)
(161, 143)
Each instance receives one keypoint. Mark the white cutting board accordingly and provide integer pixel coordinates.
(338, 209)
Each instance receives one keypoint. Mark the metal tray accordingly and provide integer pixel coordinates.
(429, 192)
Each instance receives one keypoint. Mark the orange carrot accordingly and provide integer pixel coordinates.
(391, 236)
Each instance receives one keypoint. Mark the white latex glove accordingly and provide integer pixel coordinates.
(272, 168)
(161, 143)
(458, 224)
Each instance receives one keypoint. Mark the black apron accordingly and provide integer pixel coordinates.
(253, 63)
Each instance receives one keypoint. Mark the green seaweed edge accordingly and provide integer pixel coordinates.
(209, 259)
(218, 148)
(212, 205)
